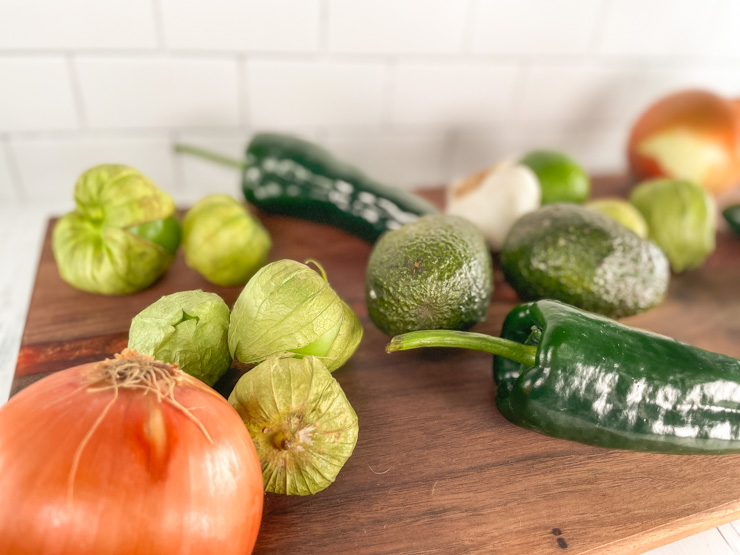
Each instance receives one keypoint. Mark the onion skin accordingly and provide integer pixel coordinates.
(148, 480)
(705, 119)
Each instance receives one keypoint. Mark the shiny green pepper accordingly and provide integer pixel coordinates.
(293, 177)
(574, 375)
(731, 214)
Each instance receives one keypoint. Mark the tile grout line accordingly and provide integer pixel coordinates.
(159, 32)
(73, 75)
(242, 86)
(668, 62)
(178, 172)
(389, 90)
(16, 177)
(323, 30)
(524, 68)
(471, 8)
(596, 41)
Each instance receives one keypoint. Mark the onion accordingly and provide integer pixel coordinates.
(128, 455)
(692, 135)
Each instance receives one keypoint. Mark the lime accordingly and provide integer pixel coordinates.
(623, 211)
(561, 178)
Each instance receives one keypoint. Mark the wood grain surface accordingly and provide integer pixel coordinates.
(437, 469)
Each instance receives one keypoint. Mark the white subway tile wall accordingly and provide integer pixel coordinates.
(158, 93)
(36, 94)
(7, 187)
(535, 27)
(315, 93)
(416, 92)
(49, 167)
(453, 95)
(77, 24)
(197, 176)
(237, 26)
(396, 27)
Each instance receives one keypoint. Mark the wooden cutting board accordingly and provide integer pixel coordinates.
(437, 469)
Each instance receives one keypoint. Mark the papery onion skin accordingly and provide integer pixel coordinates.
(148, 480)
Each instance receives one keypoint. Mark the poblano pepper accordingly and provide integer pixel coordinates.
(293, 177)
(731, 214)
(574, 375)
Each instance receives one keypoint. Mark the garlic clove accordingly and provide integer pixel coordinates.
(494, 199)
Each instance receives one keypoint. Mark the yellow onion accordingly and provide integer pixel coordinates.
(692, 135)
(128, 455)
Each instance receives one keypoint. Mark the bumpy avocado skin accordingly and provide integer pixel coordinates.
(569, 253)
(433, 273)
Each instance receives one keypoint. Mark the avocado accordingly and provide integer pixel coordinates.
(433, 273)
(581, 257)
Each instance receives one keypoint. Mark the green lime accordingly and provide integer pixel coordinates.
(623, 211)
(561, 178)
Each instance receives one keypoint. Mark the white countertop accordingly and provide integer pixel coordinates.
(22, 228)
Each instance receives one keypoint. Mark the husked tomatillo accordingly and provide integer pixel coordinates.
(302, 425)
(289, 307)
(223, 242)
(121, 237)
(189, 328)
(681, 220)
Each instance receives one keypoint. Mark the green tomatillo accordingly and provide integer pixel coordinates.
(189, 328)
(302, 425)
(289, 307)
(681, 220)
(121, 237)
(223, 242)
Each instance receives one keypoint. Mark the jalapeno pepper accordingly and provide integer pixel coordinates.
(293, 177)
(575, 375)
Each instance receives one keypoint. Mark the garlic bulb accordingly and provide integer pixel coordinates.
(494, 199)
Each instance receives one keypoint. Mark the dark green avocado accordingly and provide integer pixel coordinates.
(583, 258)
(432, 273)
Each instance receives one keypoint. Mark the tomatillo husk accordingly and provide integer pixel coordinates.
(289, 307)
(302, 425)
(681, 220)
(97, 247)
(223, 242)
(189, 328)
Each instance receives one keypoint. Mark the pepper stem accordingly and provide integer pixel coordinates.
(524, 354)
(209, 155)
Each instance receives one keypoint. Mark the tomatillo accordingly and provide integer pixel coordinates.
(288, 307)
(223, 242)
(121, 237)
